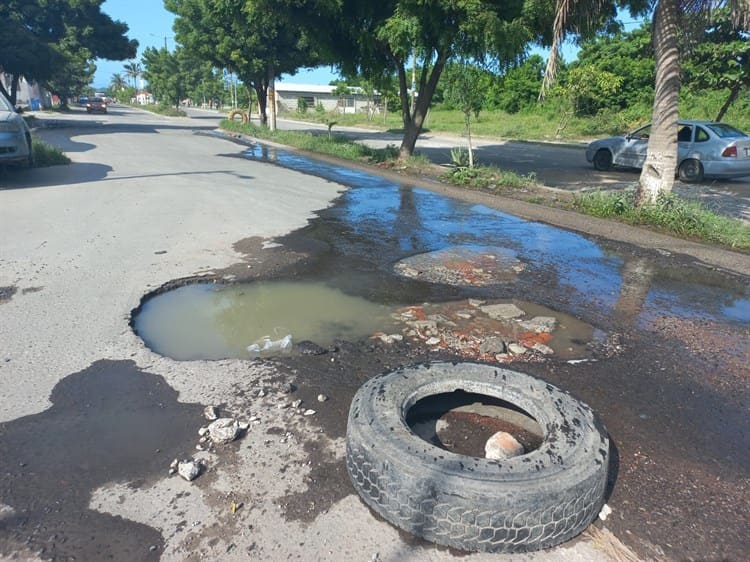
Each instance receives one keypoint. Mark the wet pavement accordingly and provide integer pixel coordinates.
(667, 374)
(670, 380)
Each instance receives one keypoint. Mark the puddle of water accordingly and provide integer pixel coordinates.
(211, 321)
(388, 222)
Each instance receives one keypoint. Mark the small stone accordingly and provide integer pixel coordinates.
(211, 413)
(492, 346)
(543, 349)
(396, 337)
(306, 347)
(282, 405)
(244, 426)
(189, 470)
(309, 413)
(476, 303)
(540, 324)
(296, 403)
(202, 431)
(224, 430)
(605, 512)
(254, 419)
(516, 348)
(322, 397)
(501, 356)
(261, 393)
(199, 447)
(502, 311)
(464, 314)
(153, 548)
(203, 439)
(502, 446)
(172, 471)
(174, 464)
(433, 341)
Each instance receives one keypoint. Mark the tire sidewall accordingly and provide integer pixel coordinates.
(570, 467)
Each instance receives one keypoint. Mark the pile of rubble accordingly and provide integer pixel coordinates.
(464, 266)
(476, 329)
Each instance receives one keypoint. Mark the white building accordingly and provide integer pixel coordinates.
(288, 94)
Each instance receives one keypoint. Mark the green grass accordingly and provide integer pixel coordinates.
(323, 143)
(488, 178)
(687, 219)
(166, 110)
(46, 155)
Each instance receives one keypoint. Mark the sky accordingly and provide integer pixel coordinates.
(151, 25)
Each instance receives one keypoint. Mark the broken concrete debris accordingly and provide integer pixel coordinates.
(189, 469)
(211, 413)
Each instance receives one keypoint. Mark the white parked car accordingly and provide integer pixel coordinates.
(15, 137)
(705, 148)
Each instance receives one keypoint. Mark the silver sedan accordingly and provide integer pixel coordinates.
(705, 148)
(15, 138)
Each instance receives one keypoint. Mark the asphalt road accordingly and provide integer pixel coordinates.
(91, 418)
(555, 165)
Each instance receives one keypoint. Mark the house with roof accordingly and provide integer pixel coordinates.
(313, 94)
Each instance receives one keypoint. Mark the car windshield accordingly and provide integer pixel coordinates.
(725, 131)
(97, 100)
(5, 105)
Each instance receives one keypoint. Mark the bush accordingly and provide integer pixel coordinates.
(302, 106)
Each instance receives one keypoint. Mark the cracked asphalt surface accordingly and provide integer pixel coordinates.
(91, 418)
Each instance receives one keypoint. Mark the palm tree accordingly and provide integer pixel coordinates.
(133, 70)
(659, 169)
(117, 82)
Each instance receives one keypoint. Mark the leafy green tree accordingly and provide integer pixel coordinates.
(629, 55)
(167, 74)
(248, 37)
(720, 60)
(463, 89)
(133, 70)
(43, 40)
(394, 37)
(518, 87)
(117, 83)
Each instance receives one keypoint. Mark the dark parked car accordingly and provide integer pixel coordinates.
(705, 148)
(96, 104)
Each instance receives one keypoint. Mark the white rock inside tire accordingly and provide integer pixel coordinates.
(525, 503)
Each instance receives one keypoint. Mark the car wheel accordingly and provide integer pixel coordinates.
(690, 171)
(529, 502)
(603, 160)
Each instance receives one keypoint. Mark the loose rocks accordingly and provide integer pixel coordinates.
(224, 430)
(502, 446)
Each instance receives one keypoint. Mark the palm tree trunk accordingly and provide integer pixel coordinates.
(661, 159)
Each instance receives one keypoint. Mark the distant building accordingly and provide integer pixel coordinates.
(144, 97)
(288, 94)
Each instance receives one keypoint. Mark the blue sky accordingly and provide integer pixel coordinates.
(151, 25)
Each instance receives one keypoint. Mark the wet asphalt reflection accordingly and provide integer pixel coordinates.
(378, 222)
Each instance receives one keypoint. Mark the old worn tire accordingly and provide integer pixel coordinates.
(530, 502)
(235, 112)
(690, 170)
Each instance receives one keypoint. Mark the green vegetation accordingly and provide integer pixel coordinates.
(46, 155)
(162, 109)
(489, 178)
(331, 144)
(670, 214)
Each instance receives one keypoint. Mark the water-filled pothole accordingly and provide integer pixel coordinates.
(213, 321)
(462, 422)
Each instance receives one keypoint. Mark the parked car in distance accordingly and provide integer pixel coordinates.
(704, 149)
(15, 137)
(96, 104)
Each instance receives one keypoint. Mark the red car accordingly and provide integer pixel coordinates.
(96, 104)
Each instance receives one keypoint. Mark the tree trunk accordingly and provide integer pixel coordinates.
(271, 98)
(260, 91)
(413, 125)
(733, 93)
(661, 158)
